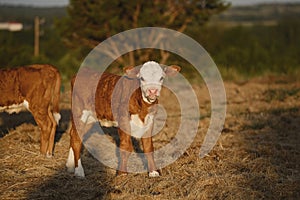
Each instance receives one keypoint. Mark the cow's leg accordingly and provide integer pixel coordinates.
(45, 114)
(52, 133)
(44, 122)
(125, 150)
(148, 150)
(45, 133)
(74, 161)
(84, 122)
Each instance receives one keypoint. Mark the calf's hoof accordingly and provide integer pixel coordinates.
(70, 168)
(49, 155)
(121, 173)
(79, 172)
(154, 174)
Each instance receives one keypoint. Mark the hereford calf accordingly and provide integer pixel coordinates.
(127, 102)
(37, 88)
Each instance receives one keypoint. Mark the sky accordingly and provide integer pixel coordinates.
(45, 3)
(251, 2)
(40, 3)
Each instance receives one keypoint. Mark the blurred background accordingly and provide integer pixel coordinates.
(255, 44)
(245, 38)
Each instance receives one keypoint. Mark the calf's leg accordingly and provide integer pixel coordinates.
(125, 150)
(148, 150)
(44, 122)
(74, 161)
(52, 133)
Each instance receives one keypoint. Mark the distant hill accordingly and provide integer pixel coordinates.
(26, 15)
(261, 14)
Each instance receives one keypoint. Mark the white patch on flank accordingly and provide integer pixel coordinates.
(57, 117)
(87, 117)
(138, 128)
(70, 162)
(79, 172)
(15, 108)
(153, 174)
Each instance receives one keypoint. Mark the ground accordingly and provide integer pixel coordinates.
(256, 156)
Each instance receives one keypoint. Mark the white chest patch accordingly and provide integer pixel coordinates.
(138, 128)
(15, 108)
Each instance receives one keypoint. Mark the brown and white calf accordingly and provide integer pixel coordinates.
(37, 88)
(126, 101)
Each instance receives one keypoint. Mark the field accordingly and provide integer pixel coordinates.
(256, 157)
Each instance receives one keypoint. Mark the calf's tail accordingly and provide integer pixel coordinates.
(56, 97)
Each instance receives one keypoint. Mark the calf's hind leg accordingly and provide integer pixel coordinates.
(45, 124)
(74, 161)
(52, 133)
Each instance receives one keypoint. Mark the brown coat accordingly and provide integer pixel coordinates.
(39, 85)
(114, 94)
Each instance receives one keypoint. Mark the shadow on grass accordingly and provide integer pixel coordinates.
(94, 141)
(11, 121)
(98, 181)
(27, 175)
(272, 144)
(64, 185)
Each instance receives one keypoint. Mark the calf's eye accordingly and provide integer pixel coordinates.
(161, 79)
(142, 79)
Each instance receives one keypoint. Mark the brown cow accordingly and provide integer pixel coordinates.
(37, 88)
(128, 102)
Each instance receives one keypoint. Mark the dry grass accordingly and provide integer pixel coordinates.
(256, 157)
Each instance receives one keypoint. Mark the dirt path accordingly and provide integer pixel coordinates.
(257, 155)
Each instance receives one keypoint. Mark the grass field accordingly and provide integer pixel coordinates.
(256, 157)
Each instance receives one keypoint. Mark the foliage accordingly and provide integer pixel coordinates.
(16, 48)
(238, 51)
(90, 22)
(255, 50)
(26, 14)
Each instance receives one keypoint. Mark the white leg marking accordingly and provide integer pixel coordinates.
(87, 117)
(26, 104)
(153, 174)
(48, 155)
(70, 162)
(57, 117)
(79, 172)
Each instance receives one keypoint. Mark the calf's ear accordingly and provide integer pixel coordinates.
(131, 72)
(172, 70)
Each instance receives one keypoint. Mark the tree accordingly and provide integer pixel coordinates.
(89, 22)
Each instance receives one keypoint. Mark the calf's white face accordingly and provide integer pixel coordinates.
(151, 76)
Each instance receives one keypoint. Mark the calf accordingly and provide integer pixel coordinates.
(128, 102)
(37, 88)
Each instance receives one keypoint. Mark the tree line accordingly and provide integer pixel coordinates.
(248, 51)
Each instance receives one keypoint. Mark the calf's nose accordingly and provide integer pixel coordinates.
(153, 91)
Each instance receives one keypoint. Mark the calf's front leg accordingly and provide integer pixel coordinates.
(148, 150)
(125, 150)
